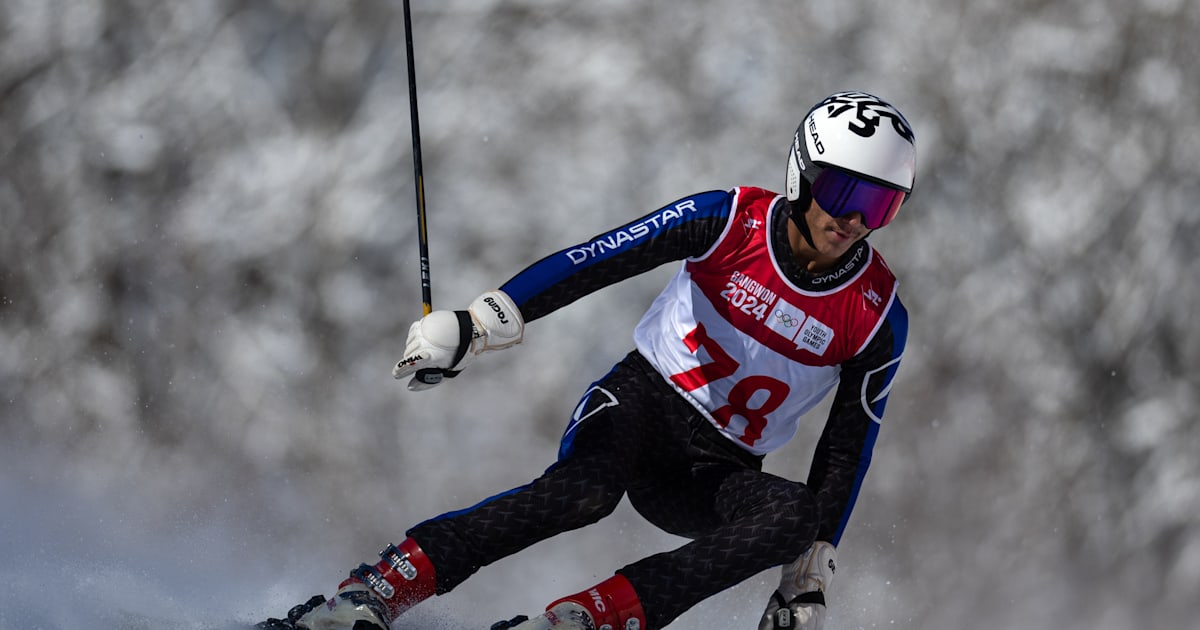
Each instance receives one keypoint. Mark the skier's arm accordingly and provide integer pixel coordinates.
(687, 227)
(444, 342)
(839, 465)
(843, 453)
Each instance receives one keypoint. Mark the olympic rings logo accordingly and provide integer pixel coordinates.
(786, 319)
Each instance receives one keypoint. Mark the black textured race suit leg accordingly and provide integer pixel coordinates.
(632, 433)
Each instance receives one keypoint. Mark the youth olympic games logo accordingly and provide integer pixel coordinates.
(785, 319)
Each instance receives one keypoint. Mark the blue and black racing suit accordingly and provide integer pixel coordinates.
(639, 432)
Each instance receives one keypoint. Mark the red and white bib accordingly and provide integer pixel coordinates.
(746, 346)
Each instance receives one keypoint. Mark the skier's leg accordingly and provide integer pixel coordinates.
(750, 522)
(584, 485)
(597, 457)
(576, 491)
(444, 551)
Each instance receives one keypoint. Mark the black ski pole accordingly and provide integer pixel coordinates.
(428, 376)
(418, 174)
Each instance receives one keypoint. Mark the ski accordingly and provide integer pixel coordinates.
(511, 623)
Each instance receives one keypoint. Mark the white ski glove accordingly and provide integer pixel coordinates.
(442, 343)
(799, 604)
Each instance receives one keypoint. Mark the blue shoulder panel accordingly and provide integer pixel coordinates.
(640, 235)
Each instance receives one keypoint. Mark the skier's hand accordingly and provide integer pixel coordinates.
(442, 343)
(799, 604)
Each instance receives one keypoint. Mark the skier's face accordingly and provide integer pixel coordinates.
(832, 236)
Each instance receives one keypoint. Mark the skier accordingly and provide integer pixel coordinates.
(779, 300)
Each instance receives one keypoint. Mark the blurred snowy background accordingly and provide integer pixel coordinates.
(208, 265)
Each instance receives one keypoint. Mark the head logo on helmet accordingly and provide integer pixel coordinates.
(854, 152)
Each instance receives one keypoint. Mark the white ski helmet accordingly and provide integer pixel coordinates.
(854, 152)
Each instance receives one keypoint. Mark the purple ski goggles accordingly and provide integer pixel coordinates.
(840, 193)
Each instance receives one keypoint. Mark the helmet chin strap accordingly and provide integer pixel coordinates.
(801, 223)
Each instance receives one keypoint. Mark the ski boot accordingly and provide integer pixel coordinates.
(371, 598)
(610, 605)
